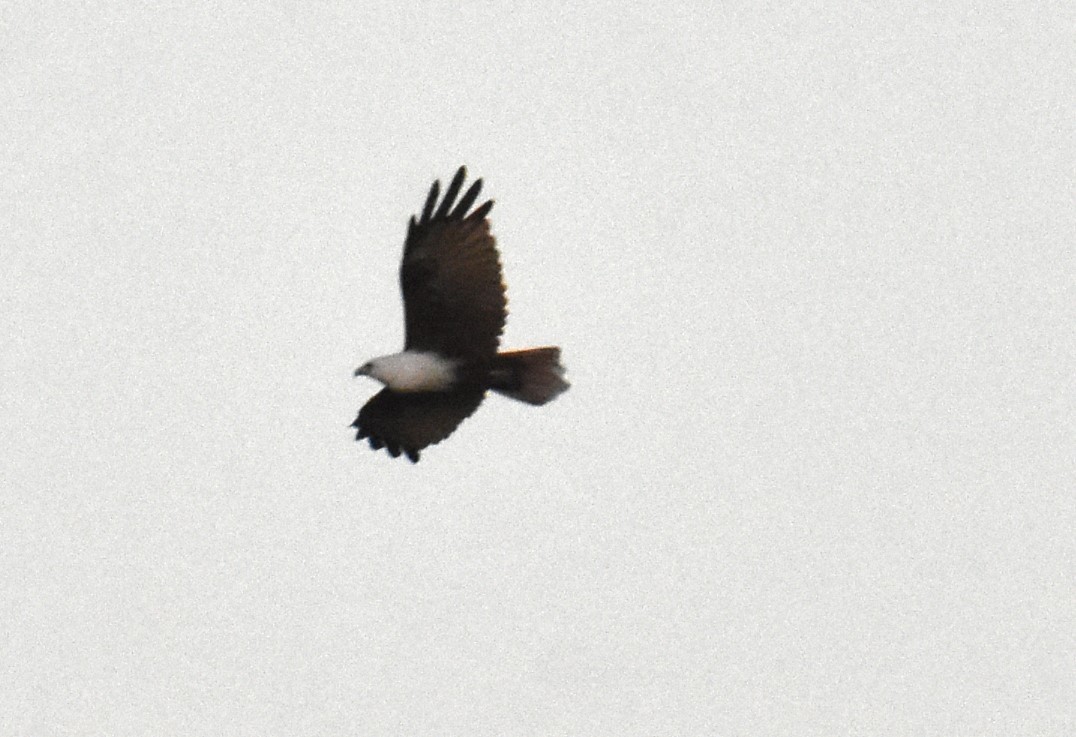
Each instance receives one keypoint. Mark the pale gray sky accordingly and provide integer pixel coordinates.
(812, 271)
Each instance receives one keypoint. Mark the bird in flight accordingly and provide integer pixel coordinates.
(454, 313)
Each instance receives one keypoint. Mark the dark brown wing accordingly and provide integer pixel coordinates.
(409, 422)
(453, 292)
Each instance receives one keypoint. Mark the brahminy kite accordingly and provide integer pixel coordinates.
(454, 312)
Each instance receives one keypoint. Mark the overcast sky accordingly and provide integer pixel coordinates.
(812, 271)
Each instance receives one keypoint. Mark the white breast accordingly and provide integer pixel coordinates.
(414, 372)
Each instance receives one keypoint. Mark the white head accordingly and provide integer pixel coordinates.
(411, 372)
(371, 369)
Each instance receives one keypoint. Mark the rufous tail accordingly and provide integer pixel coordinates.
(534, 375)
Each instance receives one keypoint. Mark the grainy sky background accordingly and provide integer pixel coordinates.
(812, 270)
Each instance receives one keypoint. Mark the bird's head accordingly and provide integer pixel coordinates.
(367, 369)
(379, 369)
(410, 371)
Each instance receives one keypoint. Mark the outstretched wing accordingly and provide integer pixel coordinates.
(409, 422)
(453, 292)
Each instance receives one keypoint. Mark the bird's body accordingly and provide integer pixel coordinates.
(412, 371)
(454, 312)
